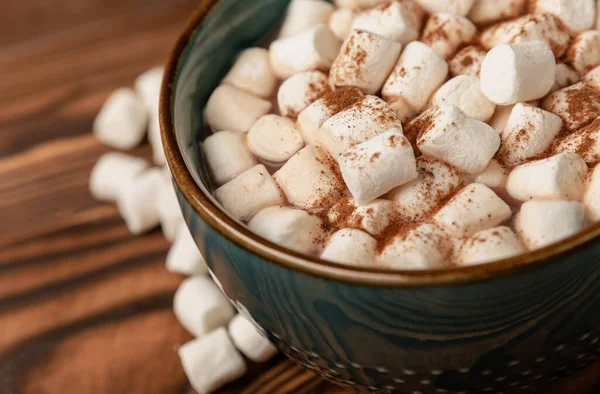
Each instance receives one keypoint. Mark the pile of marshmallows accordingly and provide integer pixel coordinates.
(476, 149)
(146, 198)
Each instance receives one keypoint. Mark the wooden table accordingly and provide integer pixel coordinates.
(84, 306)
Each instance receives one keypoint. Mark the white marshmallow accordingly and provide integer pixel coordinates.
(358, 4)
(456, 139)
(304, 14)
(519, 72)
(528, 133)
(249, 341)
(577, 15)
(591, 197)
(227, 155)
(168, 209)
(489, 245)
(372, 218)
(291, 228)
(500, 118)
(494, 176)
(457, 7)
(464, 92)
(365, 119)
(485, 12)
(299, 91)
(541, 223)
(121, 122)
(112, 173)
(155, 140)
(584, 53)
(420, 71)
(351, 247)
(211, 362)
(578, 105)
(378, 165)
(252, 72)
(341, 22)
(313, 49)
(585, 142)
(309, 180)
(476, 207)
(184, 256)
(274, 138)
(365, 60)
(446, 32)
(564, 76)
(230, 108)
(249, 192)
(147, 87)
(467, 61)
(137, 201)
(399, 21)
(559, 177)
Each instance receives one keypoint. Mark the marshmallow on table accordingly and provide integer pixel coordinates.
(358, 4)
(147, 87)
(372, 217)
(577, 15)
(341, 22)
(584, 53)
(399, 21)
(304, 14)
(313, 49)
(467, 61)
(252, 72)
(230, 108)
(489, 245)
(249, 341)
(168, 209)
(121, 122)
(494, 176)
(155, 140)
(463, 92)
(113, 172)
(351, 247)
(365, 60)
(591, 198)
(446, 32)
(564, 76)
(137, 201)
(227, 155)
(578, 105)
(299, 91)
(211, 362)
(249, 192)
(585, 142)
(274, 138)
(184, 256)
(485, 12)
(456, 7)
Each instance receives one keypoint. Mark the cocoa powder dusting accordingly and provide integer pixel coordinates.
(342, 98)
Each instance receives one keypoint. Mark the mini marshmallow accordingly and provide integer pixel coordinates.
(299, 91)
(541, 223)
(304, 14)
(309, 179)
(463, 92)
(365, 60)
(585, 142)
(559, 177)
(467, 61)
(121, 122)
(445, 33)
(168, 209)
(500, 117)
(252, 72)
(249, 341)
(358, 4)
(578, 105)
(476, 207)
(249, 192)
(291, 228)
(458, 140)
(577, 15)
(274, 138)
(372, 217)
(184, 256)
(584, 53)
(340, 23)
(147, 87)
(494, 176)
(519, 72)
(591, 199)
(350, 247)
(528, 133)
(399, 21)
(155, 140)
(489, 245)
(112, 173)
(200, 306)
(564, 76)
(485, 12)
(378, 165)
(137, 201)
(227, 155)
(456, 7)
(211, 362)
(420, 71)
(313, 49)
(233, 109)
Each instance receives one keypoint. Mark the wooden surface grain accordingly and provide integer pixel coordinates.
(84, 306)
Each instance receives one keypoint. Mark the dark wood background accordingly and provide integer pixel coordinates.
(84, 306)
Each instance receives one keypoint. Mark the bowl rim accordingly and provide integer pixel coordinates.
(213, 216)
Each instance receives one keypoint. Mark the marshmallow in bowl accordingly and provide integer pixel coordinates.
(467, 61)
(137, 201)
(304, 14)
(585, 142)
(233, 109)
(591, 197)
(445, 33)
(456, 7)
(578, 105)
(252, 72)
(249, 341)
(274, 138)
(227, 155)
(494, 176)
(341, 22)
(184, 256)
(350, 246)
(500, 118)
(564, 76)
(112, 173)
(399, 21)
(464, 92)
(489, 245)
(299, 91)
(372, 217)
(584, 53)
(577, 15)
(485, 12)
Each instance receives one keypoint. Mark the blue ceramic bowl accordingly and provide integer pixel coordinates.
(502, 327)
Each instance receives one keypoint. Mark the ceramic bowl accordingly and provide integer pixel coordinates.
(498, 328)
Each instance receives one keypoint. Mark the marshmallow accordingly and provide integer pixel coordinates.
(365, 119)
(249, 341)
(494, 176)
(252, 72)
(519, 72)
(313, 49)
(500, 117)
(467, 61)
(559, 177)
(121, 122)
(291, 228)
(584, 53)
(274, 138)
(137, 201)
(476, 207)
(365, 60)
(168, 209)
(155, 140)
(485, 12)
(528, 133)
(358, 4)
(249, 192)
(414, 127)
(351, 247)
(423, 247)
(577, 15)
(230, 108)
(310, 180)
(227, 155)
(578, 105)
(420, 71)
(304, 14)
(457, 7)
(378, 165)
(399, 21)
(463, 92)
(211, 362)
(435, 183)
(541, 223)
(458, 140)
(489, 245)
(200, 306)
(585, 142)
(112, 173)
(564, 76)
(299, 91)
(184, 256)
(446, 32)
(372, 217)
(591, 198)
(147, 87)
(340, 23)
